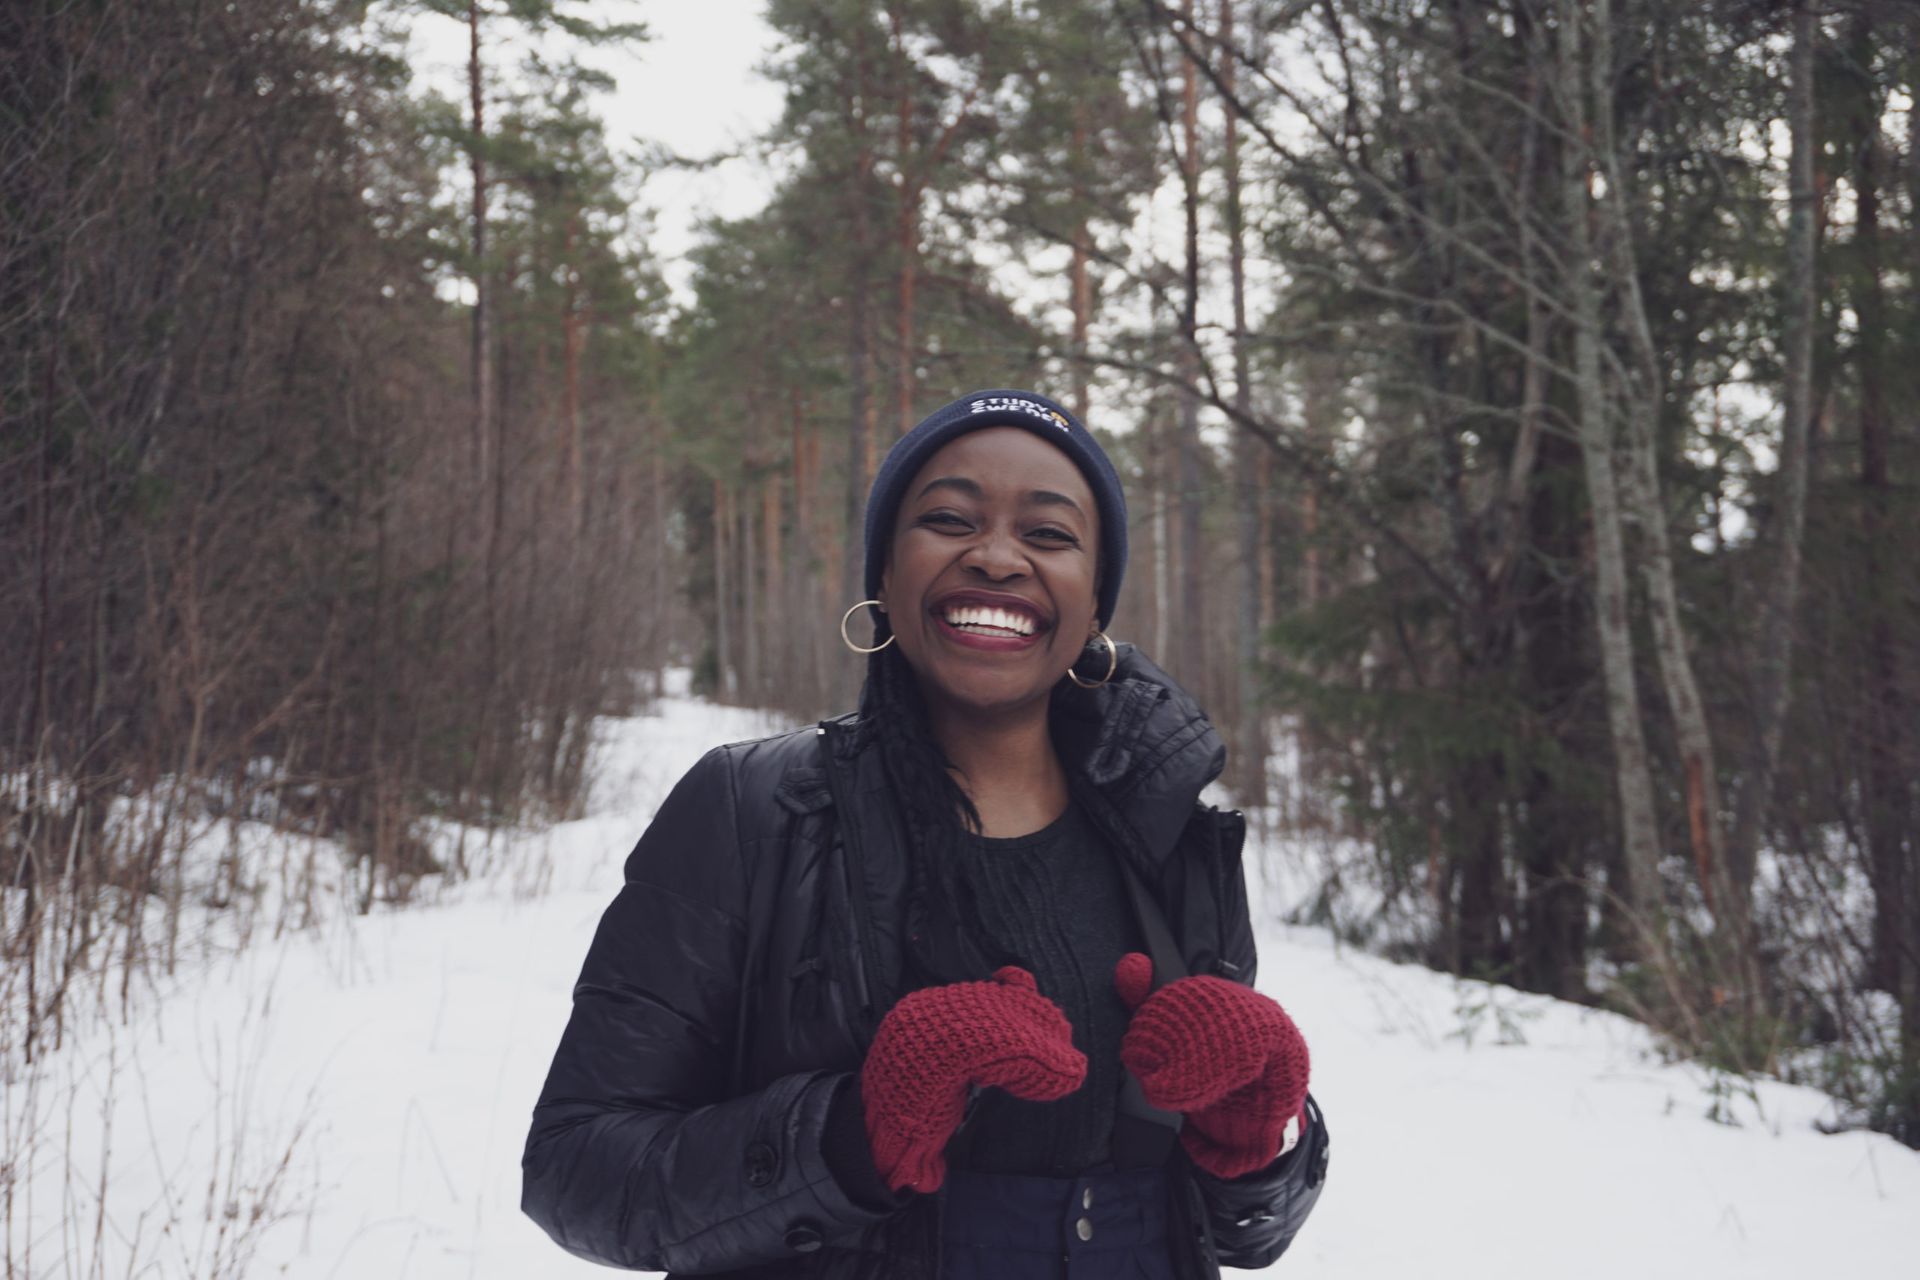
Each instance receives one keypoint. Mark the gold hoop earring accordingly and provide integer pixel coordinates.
(1113, 664)
(848, 617)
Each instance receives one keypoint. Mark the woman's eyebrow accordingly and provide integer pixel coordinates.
(1048, 498)
(971, 488)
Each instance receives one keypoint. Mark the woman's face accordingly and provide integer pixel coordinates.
(990, 579)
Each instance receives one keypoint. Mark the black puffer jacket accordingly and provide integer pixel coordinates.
(736, 980)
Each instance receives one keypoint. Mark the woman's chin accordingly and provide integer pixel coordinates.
(989, 693)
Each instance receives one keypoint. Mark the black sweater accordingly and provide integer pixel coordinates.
(1053, 902)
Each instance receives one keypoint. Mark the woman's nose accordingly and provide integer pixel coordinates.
(997, 554)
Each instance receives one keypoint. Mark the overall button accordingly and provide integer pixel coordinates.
(762, 1163)
(804, 1237)
(1086, 1198)
(1084, 1228)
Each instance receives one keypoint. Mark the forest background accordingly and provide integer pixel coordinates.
(1516, 402)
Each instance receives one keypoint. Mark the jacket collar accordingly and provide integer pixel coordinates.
(1140, 739)
(1144, 742)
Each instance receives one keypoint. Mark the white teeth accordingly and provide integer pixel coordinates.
(989, 621)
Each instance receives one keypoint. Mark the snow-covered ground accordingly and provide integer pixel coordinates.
(349, 1101)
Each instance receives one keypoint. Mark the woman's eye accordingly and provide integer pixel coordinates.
(1050, 533)
(943, 520)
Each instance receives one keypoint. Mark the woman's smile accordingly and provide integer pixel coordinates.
(990, 621)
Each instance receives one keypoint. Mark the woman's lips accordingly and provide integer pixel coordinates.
(1005, 642)
(989, 621)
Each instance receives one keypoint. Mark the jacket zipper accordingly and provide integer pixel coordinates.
(1229, 848)
(853, 867)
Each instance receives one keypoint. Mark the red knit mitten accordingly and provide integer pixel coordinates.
(939, 1042)
(1223, 1055)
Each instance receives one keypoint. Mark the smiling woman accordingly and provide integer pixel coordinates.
(959, 985)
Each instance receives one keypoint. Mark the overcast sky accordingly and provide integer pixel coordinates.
(693, 89)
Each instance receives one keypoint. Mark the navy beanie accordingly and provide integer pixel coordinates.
(1035, 413)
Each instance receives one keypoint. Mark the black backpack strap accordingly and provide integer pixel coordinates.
(1168, 963)
(1143, 1135)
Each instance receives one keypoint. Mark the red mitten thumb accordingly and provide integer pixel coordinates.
(937, 1044)
(1225, 1056)
(1133, 979)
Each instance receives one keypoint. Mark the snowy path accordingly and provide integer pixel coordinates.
(405, 1049)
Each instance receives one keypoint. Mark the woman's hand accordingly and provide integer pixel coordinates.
(938, 1043)
(1226, 1057)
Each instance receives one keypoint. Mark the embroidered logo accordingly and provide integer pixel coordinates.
(1018, 404)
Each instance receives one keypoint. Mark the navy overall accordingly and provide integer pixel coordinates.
(1099, 1226)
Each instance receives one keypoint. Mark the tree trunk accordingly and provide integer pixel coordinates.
(1907, 902)
(751, 601)
(1773, 666)
(907, 232)
(903, 350)
(1162, 561)
(1079, 280)
(1186, 659)
(1886, 790)
(724, 682)
(1314, 415)
(860, 443)
(1556, 840)
(1639, 826)
(810, 631)
(772, 558)
(1265, 571)
(1511, 528)
(1641, 490)
(658, 548)
(481, 361)
(571, 335)
(1251, 764)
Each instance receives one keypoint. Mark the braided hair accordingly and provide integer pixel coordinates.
(943, 944)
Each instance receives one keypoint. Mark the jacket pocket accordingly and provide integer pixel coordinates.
(1220, 934)
(806, 979)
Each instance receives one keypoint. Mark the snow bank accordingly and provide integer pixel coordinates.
(350, 1100)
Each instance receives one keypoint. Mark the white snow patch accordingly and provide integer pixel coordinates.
(351, 1099)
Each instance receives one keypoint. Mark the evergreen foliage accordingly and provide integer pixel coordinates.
(1449, 350)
